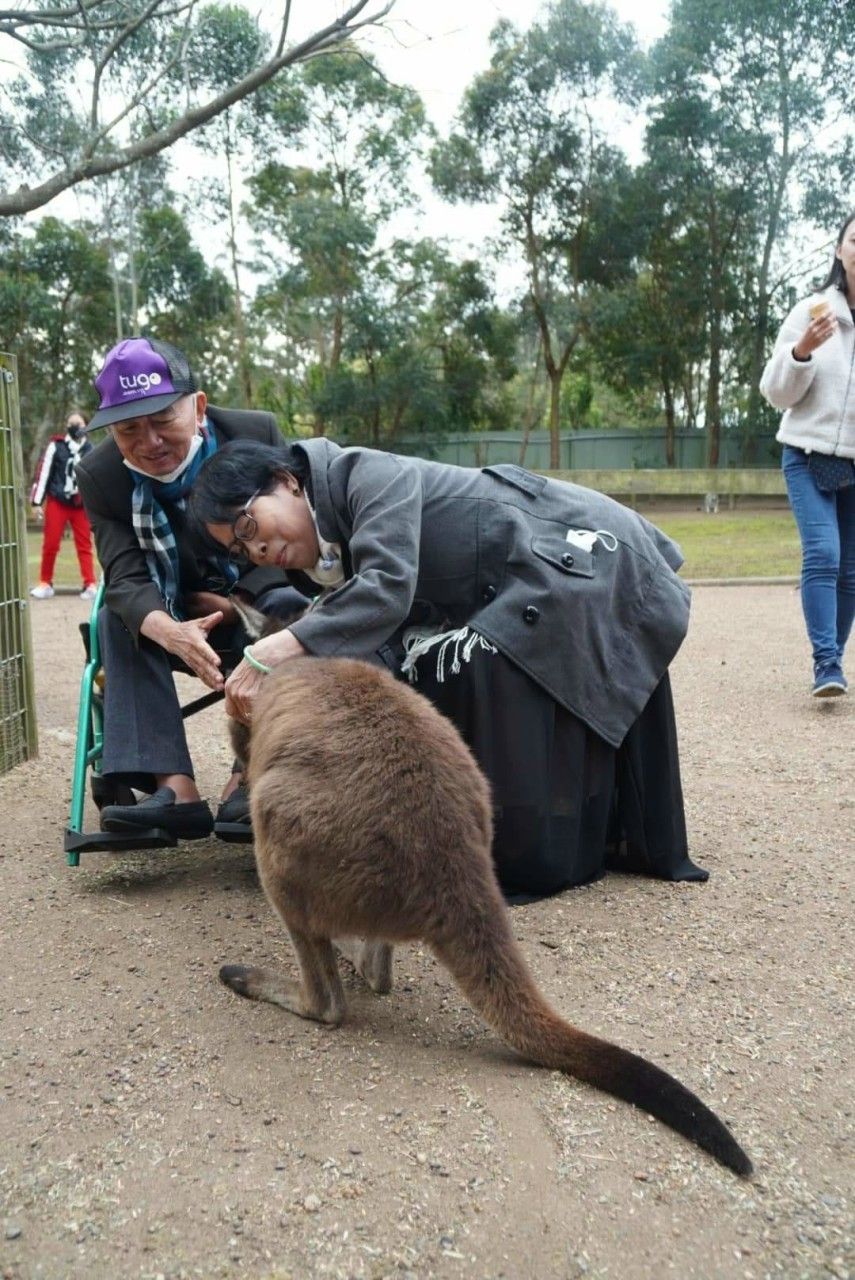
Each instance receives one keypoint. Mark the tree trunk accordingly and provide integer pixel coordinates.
(555, 379)
(116, 286)
(244, 368)
(670, 423)
(133, 279)
(375, 406)
(115, 282)
(712, 410)
(532, 407)
(761, 326)
(712, 416)
(337, 337)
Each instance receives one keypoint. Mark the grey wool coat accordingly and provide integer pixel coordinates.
(488, 548)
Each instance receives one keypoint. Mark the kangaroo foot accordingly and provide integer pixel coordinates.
(371, 960)
(377, 966)
(262, 984)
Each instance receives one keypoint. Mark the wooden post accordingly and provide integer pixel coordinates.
(18, 734)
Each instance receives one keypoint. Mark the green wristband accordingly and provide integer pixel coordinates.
(253, 662)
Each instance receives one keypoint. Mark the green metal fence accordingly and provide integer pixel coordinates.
(611, 450)
(18, 741)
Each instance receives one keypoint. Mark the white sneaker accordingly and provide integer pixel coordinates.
(42, 592)
(89, 593)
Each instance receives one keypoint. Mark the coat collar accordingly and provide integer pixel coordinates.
(320, 453)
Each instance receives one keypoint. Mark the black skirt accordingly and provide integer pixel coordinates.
(567, 805)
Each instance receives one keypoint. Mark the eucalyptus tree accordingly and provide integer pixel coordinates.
(532, 137)
(185, 299)
(102, 85)
(475, 342)
(649, 333)
(427, 349)
(702, 171)
(121, 200)
(55, 294)
(323, 228)
(756, 98)
(227, 43)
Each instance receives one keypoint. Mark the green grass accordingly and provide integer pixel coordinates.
(734, 544)
(731, 544)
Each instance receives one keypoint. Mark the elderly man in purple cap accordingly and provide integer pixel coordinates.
(167, 601)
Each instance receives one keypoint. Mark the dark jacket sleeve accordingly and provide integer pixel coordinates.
(383, 500)
(129, 590)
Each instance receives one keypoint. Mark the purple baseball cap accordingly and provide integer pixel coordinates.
(140, 376)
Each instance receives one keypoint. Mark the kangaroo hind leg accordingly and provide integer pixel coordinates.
(372, 960)
(318, 995)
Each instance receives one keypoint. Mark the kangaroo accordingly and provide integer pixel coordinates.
(372, 823)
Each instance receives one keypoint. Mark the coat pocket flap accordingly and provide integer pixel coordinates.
(559, 553)
(518, 477)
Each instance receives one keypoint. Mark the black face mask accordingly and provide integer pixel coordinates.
(75, 432)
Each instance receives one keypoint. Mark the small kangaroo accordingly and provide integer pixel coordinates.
(372, 823)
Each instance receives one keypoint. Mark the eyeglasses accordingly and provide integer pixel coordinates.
(244, 529)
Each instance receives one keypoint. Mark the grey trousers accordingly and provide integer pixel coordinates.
(143, 729)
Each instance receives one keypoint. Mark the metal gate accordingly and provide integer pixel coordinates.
(18, 741)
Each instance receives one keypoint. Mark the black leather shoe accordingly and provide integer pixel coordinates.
(236, 808)
(188, 821)
(233, 821)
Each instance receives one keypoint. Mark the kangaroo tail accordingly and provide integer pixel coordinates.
(492, 972)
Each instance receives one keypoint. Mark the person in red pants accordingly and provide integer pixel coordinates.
(55, 486)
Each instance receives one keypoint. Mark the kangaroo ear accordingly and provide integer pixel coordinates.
(254, 620)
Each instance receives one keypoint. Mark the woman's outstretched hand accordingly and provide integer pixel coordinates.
(245, 682)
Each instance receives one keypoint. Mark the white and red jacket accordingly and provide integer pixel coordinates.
(56, 471)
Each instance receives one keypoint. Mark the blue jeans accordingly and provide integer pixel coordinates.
(826, 524)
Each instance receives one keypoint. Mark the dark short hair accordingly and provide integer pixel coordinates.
(229, 478)
(837, 276)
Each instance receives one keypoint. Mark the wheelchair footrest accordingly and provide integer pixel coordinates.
(233, 832)
(117, 841)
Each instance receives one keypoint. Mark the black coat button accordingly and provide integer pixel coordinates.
(489, 592)
(567, 560)
(530, 614)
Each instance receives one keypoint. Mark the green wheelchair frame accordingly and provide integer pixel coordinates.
(87, 757)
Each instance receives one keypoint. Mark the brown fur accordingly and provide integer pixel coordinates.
(373, 821)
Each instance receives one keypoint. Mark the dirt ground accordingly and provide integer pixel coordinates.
(153, 1125)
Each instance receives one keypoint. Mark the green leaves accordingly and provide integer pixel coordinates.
(130, 65)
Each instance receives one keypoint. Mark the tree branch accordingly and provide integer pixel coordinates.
(25, 199)
(141, 94)
(76, 20)
(113, 47)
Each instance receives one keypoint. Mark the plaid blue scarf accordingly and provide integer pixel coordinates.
(154, 532)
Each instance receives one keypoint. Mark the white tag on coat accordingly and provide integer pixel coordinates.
(586, 538)
(583, 538)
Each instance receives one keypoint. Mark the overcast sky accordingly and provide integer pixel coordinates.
(437, 47)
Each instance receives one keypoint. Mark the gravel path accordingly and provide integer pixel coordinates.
(153, 1126)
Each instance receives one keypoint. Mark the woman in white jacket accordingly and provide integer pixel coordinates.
(811, 376)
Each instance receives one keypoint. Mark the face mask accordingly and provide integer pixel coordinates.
(195, 446)
(75, 432)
